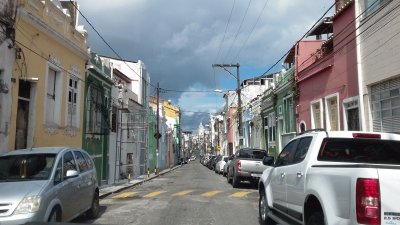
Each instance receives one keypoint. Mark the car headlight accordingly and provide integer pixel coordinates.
(28, 205)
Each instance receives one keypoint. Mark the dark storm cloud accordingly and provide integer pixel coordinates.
(178, 40)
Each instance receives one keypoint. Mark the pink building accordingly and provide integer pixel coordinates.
(326, 81)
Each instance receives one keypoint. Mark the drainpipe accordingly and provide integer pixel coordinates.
(359, 69)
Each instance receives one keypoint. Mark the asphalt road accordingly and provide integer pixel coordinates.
(190, 195)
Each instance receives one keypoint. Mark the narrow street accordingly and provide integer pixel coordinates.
(192, 194)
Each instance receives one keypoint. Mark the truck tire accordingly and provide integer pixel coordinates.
(317, 218)
(263, 210)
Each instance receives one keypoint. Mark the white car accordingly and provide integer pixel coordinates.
(219, 166)
(47, 184)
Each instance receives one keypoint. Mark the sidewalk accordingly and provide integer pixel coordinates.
(124, 184)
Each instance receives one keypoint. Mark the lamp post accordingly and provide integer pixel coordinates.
(238, 91)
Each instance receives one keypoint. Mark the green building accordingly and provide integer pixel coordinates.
(96, 114)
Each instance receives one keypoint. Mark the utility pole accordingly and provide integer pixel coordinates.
(158, 135)
(238, 91)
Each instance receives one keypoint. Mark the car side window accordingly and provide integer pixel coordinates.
(88, 161)
(302, 148)
(286, 156)
(82, 163)
(68, 163)
(58, 173)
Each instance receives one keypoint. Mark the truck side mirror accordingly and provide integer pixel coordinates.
(268, 160)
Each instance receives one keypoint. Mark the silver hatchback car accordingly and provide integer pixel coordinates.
(47, 184)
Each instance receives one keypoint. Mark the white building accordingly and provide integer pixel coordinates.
(378, 65)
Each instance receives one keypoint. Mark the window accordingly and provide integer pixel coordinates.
(385, 106)
(316, 114)
(68, 163)
(332, 112)
(89, 161)
(82, 164)
(73, 90)
(51, 96)
(95, 109)
(360, 150)
(351, 114)
(289, 114)
(271, 127)
(287, 154)
(302, 127)
(302, 149)
(371, 6)
(58, 173)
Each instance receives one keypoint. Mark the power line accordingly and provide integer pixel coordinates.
(238, 31)
(252, 30)
(266, 72)
(226, 28)
(108, 45)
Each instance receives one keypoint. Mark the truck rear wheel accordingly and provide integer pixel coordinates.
(235, 181)
(317, 218)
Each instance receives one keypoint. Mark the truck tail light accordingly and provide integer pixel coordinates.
(239, 164)
(364, 135)
(368, 206)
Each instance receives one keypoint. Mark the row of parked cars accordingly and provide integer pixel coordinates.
(245, 165)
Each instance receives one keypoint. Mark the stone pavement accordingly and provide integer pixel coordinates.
(125, 184)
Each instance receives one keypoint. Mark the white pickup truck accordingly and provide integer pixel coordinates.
(246, 165)
(333, 178)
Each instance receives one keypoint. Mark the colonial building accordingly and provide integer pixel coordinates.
(96, 138)
(327, 81)
(49, 76)
(7, 59)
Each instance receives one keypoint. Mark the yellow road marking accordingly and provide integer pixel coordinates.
(210, 193)
(240, 194)
(182, 193)
(124, 195)
(153, 194)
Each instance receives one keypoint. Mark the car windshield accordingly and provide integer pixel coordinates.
(26, 167)
(360, 151)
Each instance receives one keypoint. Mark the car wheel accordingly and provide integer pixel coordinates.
(94, 210)
(263, 210)
(228, 177)
(235, 181)
(55, 215)
(317, 218)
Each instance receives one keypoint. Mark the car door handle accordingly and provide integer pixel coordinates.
(300, 174)
(283, 174)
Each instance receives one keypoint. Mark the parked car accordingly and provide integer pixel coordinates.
(219, 166)
(246, 166)
(337, 177)
(47, 184)
(226, 166)
(210, 162)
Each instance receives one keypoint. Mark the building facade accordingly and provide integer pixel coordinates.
(7, 59)
(49, 76)
(97, 124)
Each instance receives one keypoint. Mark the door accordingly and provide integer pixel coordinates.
(85, 179)
(295, 179)
(21, 132)
(278, 182)
(71, 187)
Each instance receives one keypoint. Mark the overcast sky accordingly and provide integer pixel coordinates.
(179, 40)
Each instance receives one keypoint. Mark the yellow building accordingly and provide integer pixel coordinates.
(49, 75)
